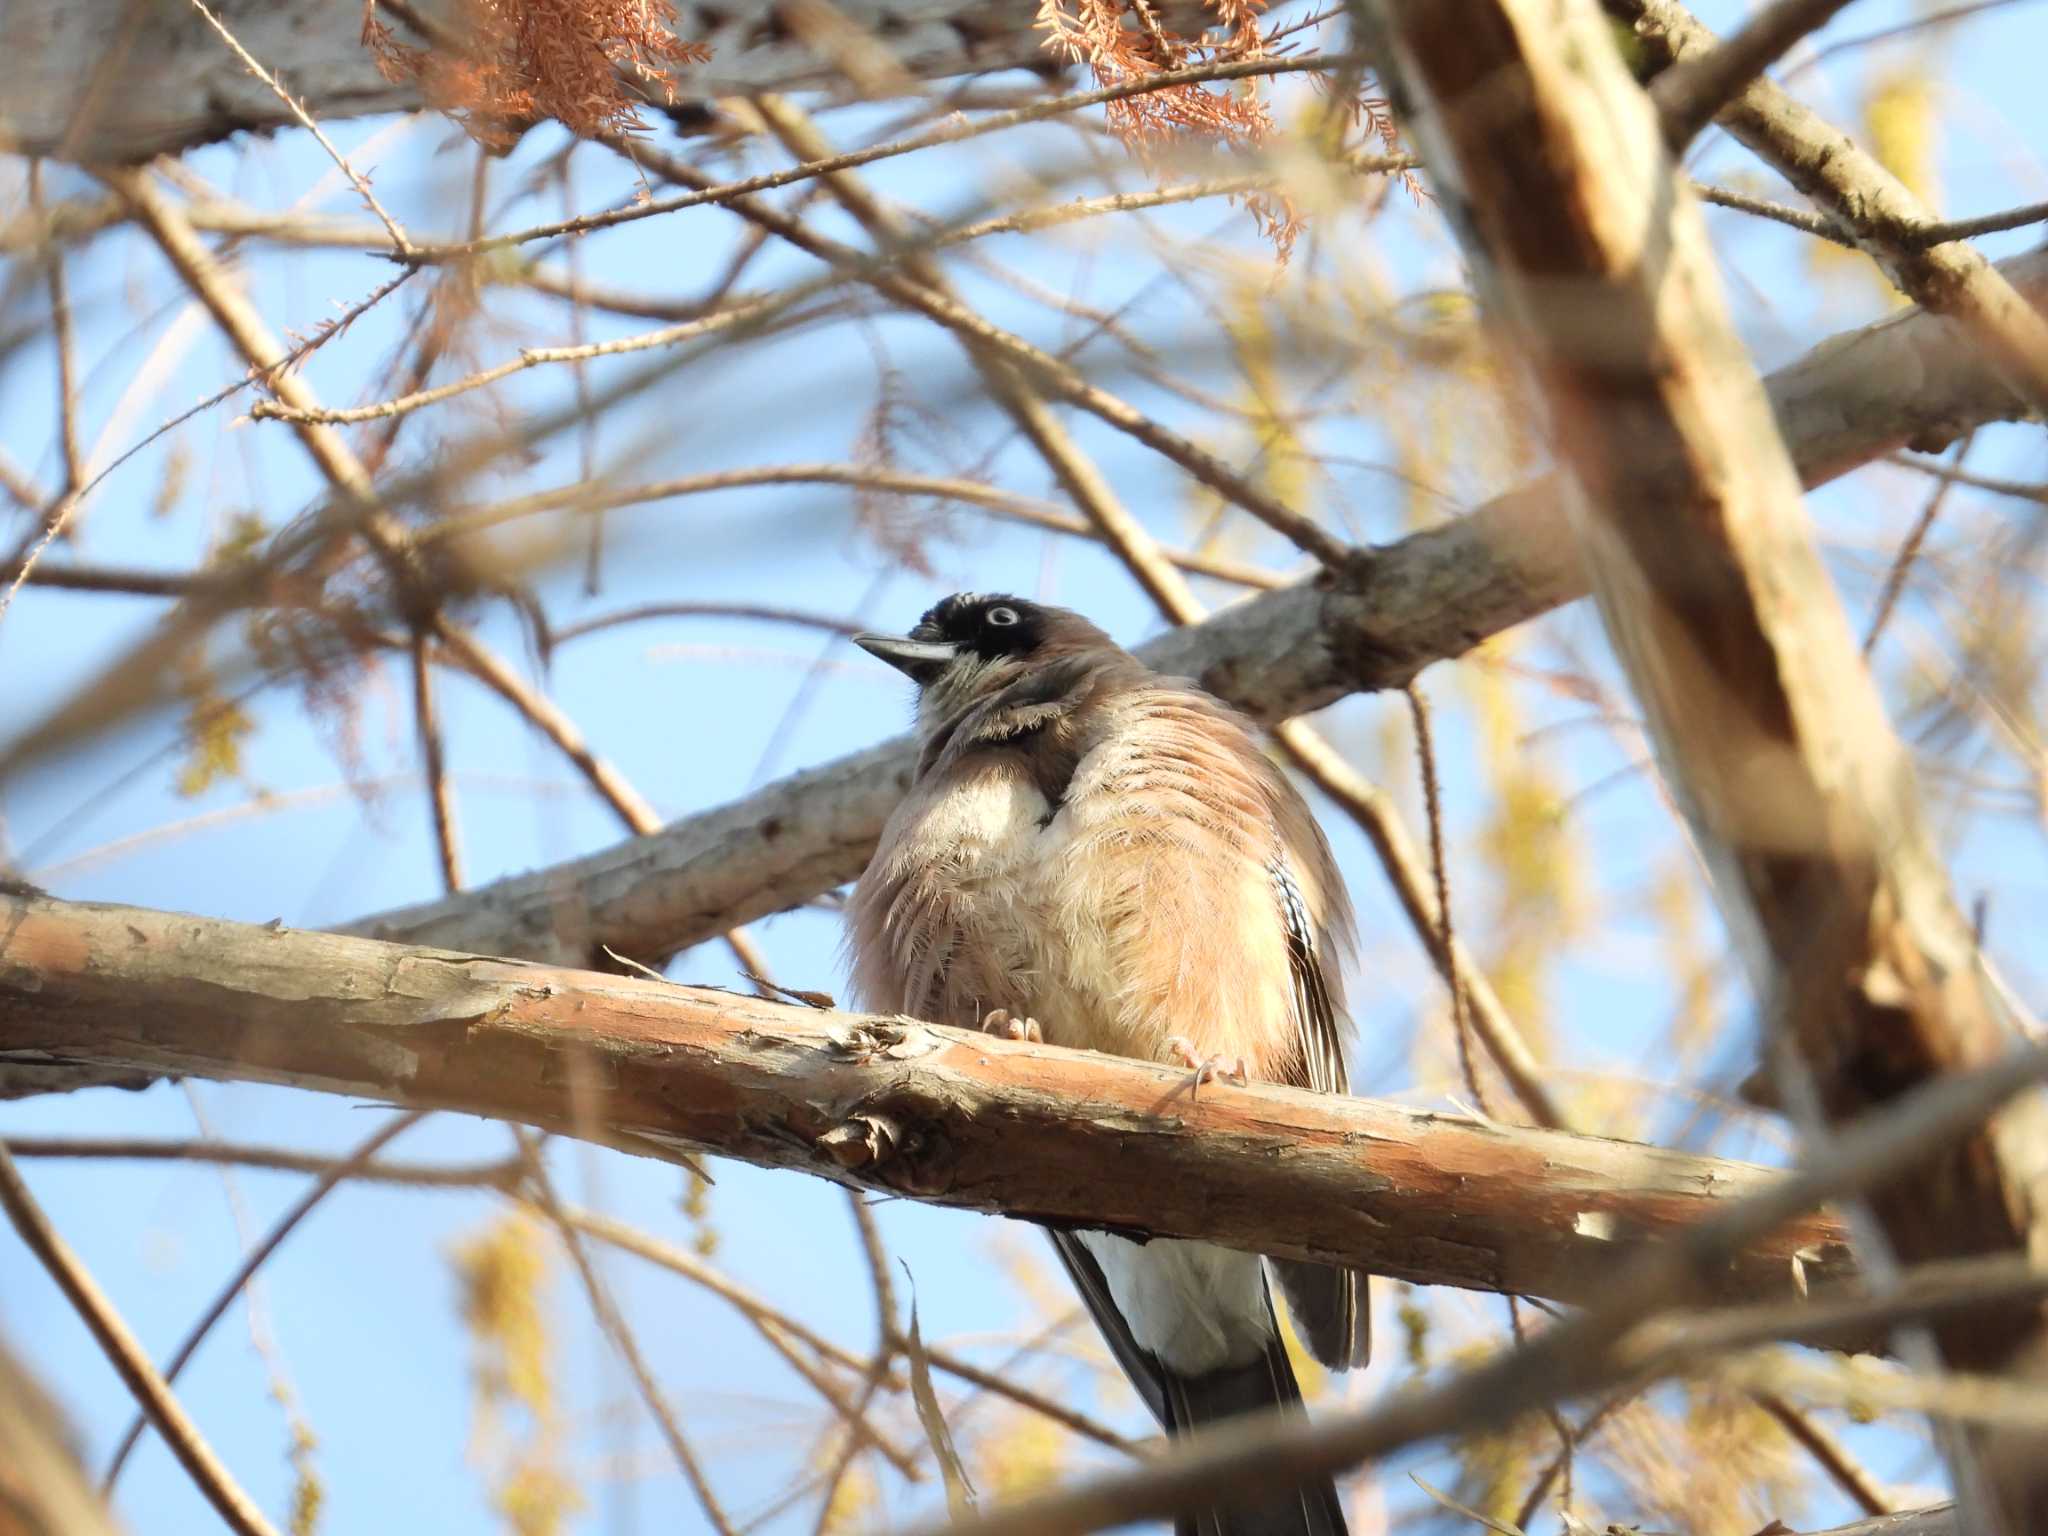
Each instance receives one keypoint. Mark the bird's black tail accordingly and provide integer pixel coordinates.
(1183, 1403)
(1198, 1402)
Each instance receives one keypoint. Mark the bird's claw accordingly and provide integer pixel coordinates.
(1207, 1069)
(1000, 1022)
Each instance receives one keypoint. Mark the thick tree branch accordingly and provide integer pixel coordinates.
(1888, 222)
(1690, 94)
(1633, 1335)
(1375, 624)
(896, 1106)
(164, 82)
(1768, 727)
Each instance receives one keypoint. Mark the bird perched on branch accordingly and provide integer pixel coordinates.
(1099, 856)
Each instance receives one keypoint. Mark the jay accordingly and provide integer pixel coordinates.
(1104, 849)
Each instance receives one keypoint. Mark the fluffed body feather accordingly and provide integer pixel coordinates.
(1108, 851)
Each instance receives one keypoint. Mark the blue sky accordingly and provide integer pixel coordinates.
(697, 713)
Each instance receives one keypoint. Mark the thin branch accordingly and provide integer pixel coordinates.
(1560, 1464)
(1888, 221)
(126, 1355)
(66, 343)
(1830, 1457)
(103, 578)
(746, 315)
(496, 1175)
(1444, 938)
(1408, 872)
(616, 1329)
(24, 491)
(599, 496)
(1805, 220)
(1005, 1386)
(1983, 224)
(953, 133)
(642, 613)
(2018, 490)
(399, 242)
(257, 1256)
(434, 767)
(777, 1329)
(541, 712)
(1691, 94)
(1909, 550)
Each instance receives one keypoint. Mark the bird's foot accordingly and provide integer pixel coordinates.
(1207, 1069)
(1000, 1022)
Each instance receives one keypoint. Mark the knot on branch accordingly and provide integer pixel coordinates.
(904, 1041)
(863, 1141)
(903, 1151)
(889, 1137)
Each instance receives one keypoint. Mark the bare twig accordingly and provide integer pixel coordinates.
(616, 1329)
(400, 243)
(641, 613)
(746, 315)
(1830, 1457)
(2018, 490)
(434, 767)
(103, 578)
(599, 496)
(1692, 93)
(780, 1331)
(120, 1346)
(496, 1175)
(257, 1256)
(953, 133)
(1909, 550)
(1444, 939)
(66, 343)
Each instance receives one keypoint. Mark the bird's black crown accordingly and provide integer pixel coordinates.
(990, 624)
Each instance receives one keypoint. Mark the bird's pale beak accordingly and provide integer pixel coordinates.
(919, 660)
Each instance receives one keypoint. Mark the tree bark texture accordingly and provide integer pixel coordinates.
(892, 1105)
(117, 81)
(1910, 379)
(1592, 253)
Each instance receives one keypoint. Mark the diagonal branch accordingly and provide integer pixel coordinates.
(1768, 726)
(1692, 93)
(236, 1509)
(1624, 1339)
(1374, 623)
(1888, 222)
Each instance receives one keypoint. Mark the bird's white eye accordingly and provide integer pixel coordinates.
(1002, 618)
